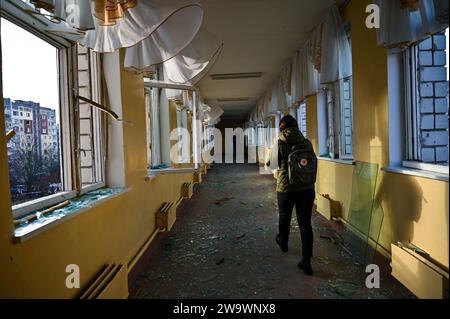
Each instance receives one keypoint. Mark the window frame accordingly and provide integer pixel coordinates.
(158, 86)
(298, 116)
(334, 120)
(68, 108)
(343, 155)
(412, 158)
(97, 126)
(182, 123)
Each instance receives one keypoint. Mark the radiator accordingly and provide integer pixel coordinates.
(166, 216)
(420, 276)
(187, 190)
(197, 178)
(111, 283)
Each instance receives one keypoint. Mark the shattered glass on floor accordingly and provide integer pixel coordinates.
(223, 246)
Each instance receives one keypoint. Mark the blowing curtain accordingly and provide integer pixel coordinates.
(336, 54)
(155, 30)
(80, 14)
(151, 31)
(403, 23)
(194, 61)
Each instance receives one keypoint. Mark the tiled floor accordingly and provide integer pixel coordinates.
(223, 247)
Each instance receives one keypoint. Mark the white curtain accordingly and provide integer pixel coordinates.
(194, 61)
(261, 110)
(161, 27)
(267, 105)
(401, 26)
(336, 57)
(311, 78)
(305, 79)
(278, 101)
(77, 13)
(297, 94)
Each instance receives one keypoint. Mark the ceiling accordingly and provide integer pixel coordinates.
(258, 36)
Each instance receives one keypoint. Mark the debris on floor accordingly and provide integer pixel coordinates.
(239, 237)
(229, 251)
(220, 261)
(222, 201)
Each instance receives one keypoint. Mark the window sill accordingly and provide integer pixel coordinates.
(77, 206)
(152, 173)
(416, 172)
(338, 161)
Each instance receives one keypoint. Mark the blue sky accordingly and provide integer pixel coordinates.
(30, 70)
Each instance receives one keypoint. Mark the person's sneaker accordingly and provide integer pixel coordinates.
(283, 247)
(306, 267)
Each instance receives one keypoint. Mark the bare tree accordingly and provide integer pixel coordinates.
(32, 172)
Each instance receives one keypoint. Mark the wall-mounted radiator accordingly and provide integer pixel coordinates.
(111, 283)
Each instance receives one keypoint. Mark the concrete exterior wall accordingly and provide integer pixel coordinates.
(433, 99)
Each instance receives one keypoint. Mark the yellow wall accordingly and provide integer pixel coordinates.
(112, 232)
(415, 208)
(311, 120)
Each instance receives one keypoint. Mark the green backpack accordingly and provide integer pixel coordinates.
(302, 165)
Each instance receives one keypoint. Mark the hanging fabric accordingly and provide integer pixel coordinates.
(315, 47)
(311, 78)
(336, 52)
(194, 61)
(403, 23)
(157, 28)
(76, 13)
(297, 80)
(286, 78)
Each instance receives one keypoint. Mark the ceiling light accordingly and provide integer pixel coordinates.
(233, 76)
(238, 99)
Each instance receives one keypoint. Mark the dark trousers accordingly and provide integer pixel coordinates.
(303, 202)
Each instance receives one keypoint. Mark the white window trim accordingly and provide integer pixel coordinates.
(196, 141)
(440, 169)
(38, 26)
(416, 172)
(65, 55)
(23, 209)
(333, 134)
(400, 97)
(100, 159)
(411, 98)
(51, 224)
(298, 115)
(342, 154)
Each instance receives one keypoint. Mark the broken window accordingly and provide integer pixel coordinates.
(35, 167)
(91, 152)
(426, 81)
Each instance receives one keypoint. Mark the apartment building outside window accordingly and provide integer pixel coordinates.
(47, 164)
(34, 168)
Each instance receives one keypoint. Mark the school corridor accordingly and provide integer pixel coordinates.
(223, 247)
(142, 143)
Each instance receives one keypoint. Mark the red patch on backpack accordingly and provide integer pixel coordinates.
(304, 162)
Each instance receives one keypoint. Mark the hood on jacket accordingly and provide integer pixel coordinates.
(291, 136)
